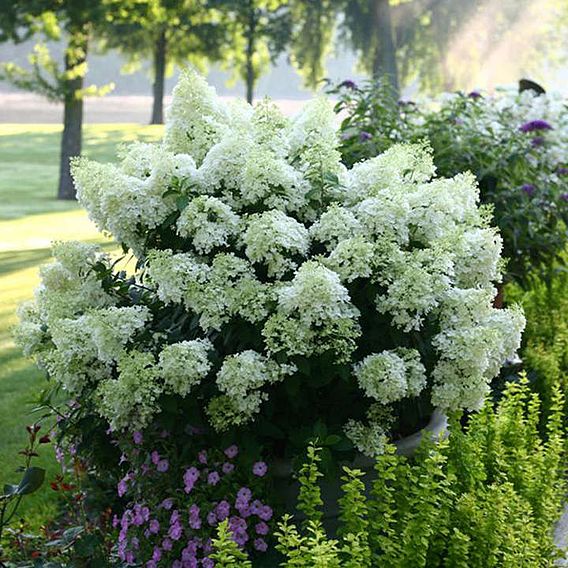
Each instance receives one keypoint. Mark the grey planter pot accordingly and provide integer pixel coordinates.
(287, 488)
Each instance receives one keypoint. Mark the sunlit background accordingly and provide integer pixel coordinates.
(439, 45)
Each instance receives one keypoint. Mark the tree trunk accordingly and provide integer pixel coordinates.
(159, 79)
(75, 55)
(250, 77)
(384, 63)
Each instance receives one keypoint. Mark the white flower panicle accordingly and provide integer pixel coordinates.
(274, 239)
(253, 239)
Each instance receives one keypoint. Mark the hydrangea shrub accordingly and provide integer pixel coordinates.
(274, 290)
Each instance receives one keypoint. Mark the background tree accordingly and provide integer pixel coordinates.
(74, 21)
(259, 31)
(166, 32)
(314, 29)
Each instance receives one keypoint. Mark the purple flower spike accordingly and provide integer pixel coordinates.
(529, 189)
(535, 125)
(348, 84)
(260, 469)
(232, 452)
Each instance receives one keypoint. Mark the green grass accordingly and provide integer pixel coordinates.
(30, 218)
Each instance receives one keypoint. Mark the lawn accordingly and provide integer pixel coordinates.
(30, 218)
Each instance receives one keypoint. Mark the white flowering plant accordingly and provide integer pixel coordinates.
(516, 144)
(277, 294)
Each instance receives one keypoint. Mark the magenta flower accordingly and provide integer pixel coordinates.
(535, 125)
(232, 452)
(260, 469)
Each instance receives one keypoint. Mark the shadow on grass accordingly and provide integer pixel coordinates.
(13, 261)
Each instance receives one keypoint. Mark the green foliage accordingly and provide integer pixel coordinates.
(486, 497)
(309, 499)
(226, 552)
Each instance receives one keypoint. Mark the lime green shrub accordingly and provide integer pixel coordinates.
(489, 496)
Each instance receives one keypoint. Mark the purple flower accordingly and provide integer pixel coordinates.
(256, 507)
(537, 141)
(157, 554)
(167, 544)
(154, 526)
(175, 531)
(227, 468)
(240, 537)
(260, 545)
(260, 469)
(244, 493)
(564, 196)
(265, 513)
(194, 519)
(175, 517)
(155, 457)
(162, 466)
(562, 171)
(213, 478)
(190, 476)
(232, 452)
(222, 510)
(261, 528)
(138, 438)
(207, 563)
(535, 125)
(528, 188)
(202, 457)
(474, 95)
(348, 84)
(167, 504)
(122, 486)
(130, 557)
(211, 518)
(364, 136)
(151, 564)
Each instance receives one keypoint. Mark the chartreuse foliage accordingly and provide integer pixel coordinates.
(486, 497)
